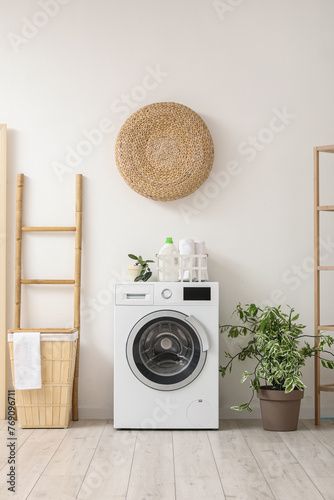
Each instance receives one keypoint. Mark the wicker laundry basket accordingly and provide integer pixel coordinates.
(50, 406)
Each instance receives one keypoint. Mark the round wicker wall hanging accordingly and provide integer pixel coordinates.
(164, 151)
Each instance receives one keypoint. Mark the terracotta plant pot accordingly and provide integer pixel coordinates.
(280, 411)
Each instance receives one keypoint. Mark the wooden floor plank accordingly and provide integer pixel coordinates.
(32, 458)
(92, 460)
(315, 458)
(286, 477)
(196, 474)
(323, 432)
(65, 472)
(109, 472)
(240, 474)
(152, 474)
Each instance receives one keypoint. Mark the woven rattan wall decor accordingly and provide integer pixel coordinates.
(164, 151)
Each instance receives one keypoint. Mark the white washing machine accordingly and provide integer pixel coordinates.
(166, 348)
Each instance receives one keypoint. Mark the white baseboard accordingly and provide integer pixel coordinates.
(306, 413)
(225, 413)
(95, 413)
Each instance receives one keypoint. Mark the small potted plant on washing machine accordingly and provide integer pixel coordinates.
(276, 341)
(140, 270)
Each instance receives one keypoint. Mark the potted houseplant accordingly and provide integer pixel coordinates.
(140, 270)
(276, 341)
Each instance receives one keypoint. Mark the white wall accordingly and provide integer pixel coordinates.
(238, 64)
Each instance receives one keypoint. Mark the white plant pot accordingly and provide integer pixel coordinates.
(133, 272)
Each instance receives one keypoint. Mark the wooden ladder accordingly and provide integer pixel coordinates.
(318, 327)
(76, 282)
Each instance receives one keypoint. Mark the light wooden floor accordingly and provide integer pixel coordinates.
(241, 461)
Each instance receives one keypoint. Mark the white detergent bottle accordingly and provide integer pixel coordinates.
(168, 261)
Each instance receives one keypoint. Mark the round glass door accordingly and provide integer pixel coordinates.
(165, 351)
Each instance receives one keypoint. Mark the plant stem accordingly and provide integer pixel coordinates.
(224, 327)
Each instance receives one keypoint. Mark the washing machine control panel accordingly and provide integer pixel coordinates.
(166, 293)
(171, 294)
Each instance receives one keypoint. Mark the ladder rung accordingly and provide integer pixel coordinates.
(326, 327)
(47, 282)
(327, 387)
(43, 330)
(31, 229)
(325, 149)
(325, 208)
(325, 268)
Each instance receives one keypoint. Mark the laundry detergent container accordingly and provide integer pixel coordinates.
(50, 406)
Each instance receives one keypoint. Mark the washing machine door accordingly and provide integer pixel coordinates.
(166, 350)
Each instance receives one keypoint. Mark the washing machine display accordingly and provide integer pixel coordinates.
(165, 350)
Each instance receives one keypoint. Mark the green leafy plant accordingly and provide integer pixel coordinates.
(277, 343)
(145, 271)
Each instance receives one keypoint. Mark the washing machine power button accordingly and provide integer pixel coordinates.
(166, 293)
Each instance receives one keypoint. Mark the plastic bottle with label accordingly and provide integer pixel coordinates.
(168, 261)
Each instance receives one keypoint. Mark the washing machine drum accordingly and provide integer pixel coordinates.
(165, 350)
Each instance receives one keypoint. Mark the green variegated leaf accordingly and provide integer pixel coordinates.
(241, 407)
(245, 376)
